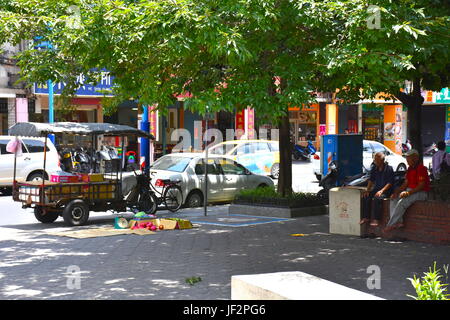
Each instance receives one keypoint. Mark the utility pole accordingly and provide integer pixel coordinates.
(145, 154)
(205, 208)
(51, 111)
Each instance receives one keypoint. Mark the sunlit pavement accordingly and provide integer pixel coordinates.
(37, 265)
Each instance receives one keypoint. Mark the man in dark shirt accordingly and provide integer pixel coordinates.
(379, 188)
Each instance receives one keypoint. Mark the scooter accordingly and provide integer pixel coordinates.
(328, 181)
(359, 180)
(431, 150)
(82, 157)
(107, 159)
(303, 153)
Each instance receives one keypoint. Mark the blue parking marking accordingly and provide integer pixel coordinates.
(224, 223)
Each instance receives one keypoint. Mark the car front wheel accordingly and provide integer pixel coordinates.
(275, 171)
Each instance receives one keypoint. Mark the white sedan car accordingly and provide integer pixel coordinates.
(397, 162)
(225, 177)
(30, 164)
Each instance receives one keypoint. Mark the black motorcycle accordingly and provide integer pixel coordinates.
(83, 160)
(329, 181)
(359, 180)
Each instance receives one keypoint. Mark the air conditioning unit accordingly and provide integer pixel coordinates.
(12, 81)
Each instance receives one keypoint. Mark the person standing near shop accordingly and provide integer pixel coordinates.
(414, 188)
(379, 188)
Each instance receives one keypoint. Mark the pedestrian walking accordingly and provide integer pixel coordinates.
(414, 188)
(379, 188)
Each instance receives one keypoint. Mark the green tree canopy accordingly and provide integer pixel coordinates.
(229, 53)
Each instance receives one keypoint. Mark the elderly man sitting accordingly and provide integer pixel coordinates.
(379, 187)
(414, 188)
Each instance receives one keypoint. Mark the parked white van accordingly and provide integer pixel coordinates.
(30, 165)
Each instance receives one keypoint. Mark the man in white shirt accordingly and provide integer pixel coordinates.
(438, 159)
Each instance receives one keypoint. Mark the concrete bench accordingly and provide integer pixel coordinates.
(291, 286)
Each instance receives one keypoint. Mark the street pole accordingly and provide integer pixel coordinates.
(145, 154)
(51, 112)
(206, 167)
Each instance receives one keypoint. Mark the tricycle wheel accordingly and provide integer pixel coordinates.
(45, 217)
(76, 213)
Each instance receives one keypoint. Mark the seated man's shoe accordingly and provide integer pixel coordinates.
(364, 220)
(374, 223)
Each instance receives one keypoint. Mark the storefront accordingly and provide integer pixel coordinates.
(304, 125)
(80, 110)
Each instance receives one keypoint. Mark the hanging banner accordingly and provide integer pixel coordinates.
(393, 128)
(240, 124)
(250, 123)
(153, 120)
(332, 118)
(21, 110)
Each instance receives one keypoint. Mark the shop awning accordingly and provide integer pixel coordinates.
(36, 129)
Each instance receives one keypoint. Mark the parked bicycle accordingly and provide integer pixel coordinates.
(170, 195)
(148, 198)
(141, 197)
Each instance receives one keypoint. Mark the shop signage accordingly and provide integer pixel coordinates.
(103, 88)
(443, 96)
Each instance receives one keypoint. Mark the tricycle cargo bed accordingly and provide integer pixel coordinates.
(56, 193)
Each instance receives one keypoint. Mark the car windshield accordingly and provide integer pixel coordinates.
(222, 149)
(171, 163)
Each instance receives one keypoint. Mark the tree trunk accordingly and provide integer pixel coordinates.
(285, 145)
(413, 103)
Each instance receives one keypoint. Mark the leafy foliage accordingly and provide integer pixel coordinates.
(270, 197)
(233, 54)
(429, 287)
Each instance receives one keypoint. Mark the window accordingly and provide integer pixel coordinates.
(245, 149)
(170, 163)
(367, 147)
(274, 146)
(34, 146)
(212, 167)
(378, 148)
(222, 149)
(231, 167)
(262, 147)
(3, 144)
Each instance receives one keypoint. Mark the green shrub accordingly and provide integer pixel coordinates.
(429, 287)
(270, 197)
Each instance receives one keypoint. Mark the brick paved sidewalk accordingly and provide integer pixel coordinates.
(34, 265)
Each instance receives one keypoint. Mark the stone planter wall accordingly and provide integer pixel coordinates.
(425, 221)
(278, 212)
